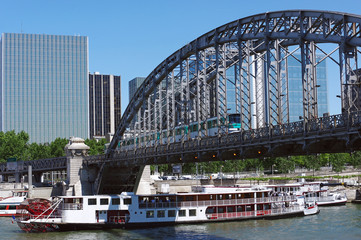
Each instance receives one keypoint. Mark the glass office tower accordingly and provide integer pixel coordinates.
(44, 85)
(295, 87)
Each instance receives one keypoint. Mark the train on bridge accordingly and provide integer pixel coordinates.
(210, 128)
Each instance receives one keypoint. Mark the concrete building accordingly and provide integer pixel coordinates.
(104, 104)
(44, 85)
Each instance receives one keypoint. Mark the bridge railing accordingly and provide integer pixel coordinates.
(339, 122)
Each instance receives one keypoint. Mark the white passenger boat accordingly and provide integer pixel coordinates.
(204, 204)
(313, 191)
(8, 204)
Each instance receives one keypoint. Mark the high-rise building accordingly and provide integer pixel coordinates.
(296, 91)
(294, 87)
(134, 84)
(44, 85)
(104, 104)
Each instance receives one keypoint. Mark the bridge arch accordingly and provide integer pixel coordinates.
(190, 86)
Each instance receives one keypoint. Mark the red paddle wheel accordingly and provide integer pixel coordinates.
(35, 209)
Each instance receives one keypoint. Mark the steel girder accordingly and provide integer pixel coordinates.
(262, 43)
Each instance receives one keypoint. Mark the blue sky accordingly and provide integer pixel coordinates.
(130, 38)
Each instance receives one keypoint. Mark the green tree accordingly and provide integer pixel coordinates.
(338, 161)
(38, 151)
(96, 147)
(355, 159)
(284, 164)
(312, 162)
(13, 145)
(57, 147)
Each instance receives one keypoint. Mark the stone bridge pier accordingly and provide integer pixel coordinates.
(82, 179)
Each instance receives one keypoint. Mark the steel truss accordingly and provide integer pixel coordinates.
(192, 85)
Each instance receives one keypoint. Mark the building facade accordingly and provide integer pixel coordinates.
(296, 90)
(44, 85)
(134, 84)
(104, 104)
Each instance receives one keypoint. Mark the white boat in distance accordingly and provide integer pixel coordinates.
(204, 204)
(313, 191)
(8, 204)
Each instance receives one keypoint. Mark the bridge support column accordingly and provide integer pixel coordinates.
(142, 185)
(76, 150)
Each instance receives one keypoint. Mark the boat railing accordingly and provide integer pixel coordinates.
(217, 202)
(247, 214)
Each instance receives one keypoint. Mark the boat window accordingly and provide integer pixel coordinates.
(220, 209)
(259, 207)
(171, 213)
(228, 196)
(248, 195)
(150, 214)
(211, 210)
(127, 201)
(192, 212)
(189, 198)
(182, 213)
(239, 209)
(115, 201)
(92, 201)
(230, 209)
(2, 207)
(12, 207)
(161, 213)
(104, 201)
(219, 197)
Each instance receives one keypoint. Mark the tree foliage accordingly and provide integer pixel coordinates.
(16, 145)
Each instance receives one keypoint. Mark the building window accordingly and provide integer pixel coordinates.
(182, 213)
(104, 201)
(192, 212)
(161, 214)
(115, 201)
(92, 201)
(171, 213)
(150, 214)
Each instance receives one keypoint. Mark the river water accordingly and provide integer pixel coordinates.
(343, 222)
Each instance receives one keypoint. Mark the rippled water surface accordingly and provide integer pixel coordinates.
(342, 222)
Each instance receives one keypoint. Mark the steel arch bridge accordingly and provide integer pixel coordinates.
(242, 64)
